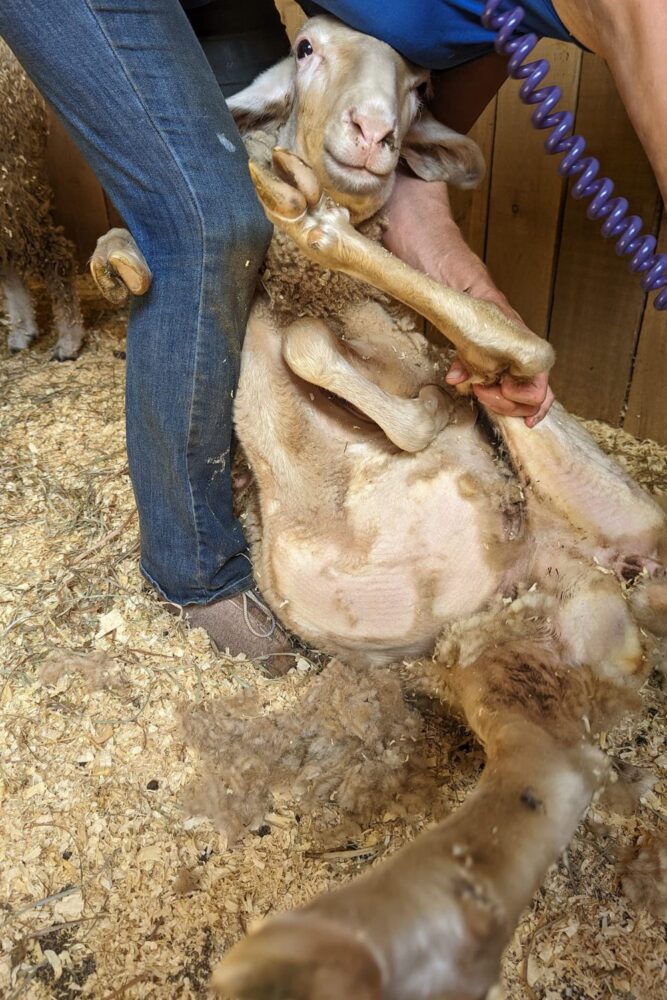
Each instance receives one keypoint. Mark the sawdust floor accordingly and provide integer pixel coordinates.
(108, 888)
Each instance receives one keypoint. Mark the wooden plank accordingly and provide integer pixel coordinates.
(527, 194)
(470, 208)
(598, 304)
(79, 204)
(646, 414)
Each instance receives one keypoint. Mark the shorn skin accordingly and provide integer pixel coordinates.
(389, 526)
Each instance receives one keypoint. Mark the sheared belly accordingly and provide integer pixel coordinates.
(402, 561)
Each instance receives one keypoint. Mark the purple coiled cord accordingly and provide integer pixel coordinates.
(625, 229)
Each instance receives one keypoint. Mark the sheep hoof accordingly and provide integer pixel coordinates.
(118, 266)
(299, 957)
(299, 174)
(19, 340)
(133, 273)
(293, 200)
(280, 200)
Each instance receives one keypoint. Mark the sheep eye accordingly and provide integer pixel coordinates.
(303, 49)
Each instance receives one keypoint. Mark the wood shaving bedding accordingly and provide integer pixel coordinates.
(108, 888)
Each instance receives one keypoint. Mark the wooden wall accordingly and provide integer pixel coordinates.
(543, 251)
(550, 260)
(80, 204)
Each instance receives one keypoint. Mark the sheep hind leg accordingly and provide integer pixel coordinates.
(20, 311)
(489, 343)
(562, 466)
(313, 352)
(433, 921)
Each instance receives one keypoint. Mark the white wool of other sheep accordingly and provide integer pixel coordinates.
(31, 245)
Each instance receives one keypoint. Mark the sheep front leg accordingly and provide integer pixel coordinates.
(431, 923)
(488, 342)
(314, 353)
(20, 311)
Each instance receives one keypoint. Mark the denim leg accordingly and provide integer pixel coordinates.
(131, 83)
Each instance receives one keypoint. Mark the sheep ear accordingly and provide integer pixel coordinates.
(268, 99)
(437, 153)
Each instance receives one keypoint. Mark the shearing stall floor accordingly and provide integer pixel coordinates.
(109, 888)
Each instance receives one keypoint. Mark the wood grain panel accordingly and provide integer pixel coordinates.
(526, 195)
(598, 304)
(79, 203)
(646, 414)
(470, 208)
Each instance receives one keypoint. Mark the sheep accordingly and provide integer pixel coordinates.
(522, 569)
(31, 245)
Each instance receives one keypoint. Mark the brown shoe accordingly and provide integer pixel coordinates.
(241, 624)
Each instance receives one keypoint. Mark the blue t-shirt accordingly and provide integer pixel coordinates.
(438, 34)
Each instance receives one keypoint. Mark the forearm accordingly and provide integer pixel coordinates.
(422, 232)
(639, 67)
(631, 36)
(423, 207)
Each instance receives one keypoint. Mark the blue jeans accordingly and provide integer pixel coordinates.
(134, 89)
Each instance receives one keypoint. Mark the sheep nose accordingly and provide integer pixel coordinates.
(373, 128)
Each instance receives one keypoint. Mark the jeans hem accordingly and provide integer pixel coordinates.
(246, 583)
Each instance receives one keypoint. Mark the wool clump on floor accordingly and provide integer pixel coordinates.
(347, 736)
(644, 874)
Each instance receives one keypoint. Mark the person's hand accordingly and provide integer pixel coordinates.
(510, 397)
(423, 233)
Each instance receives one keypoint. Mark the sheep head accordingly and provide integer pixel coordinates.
(351, 107)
